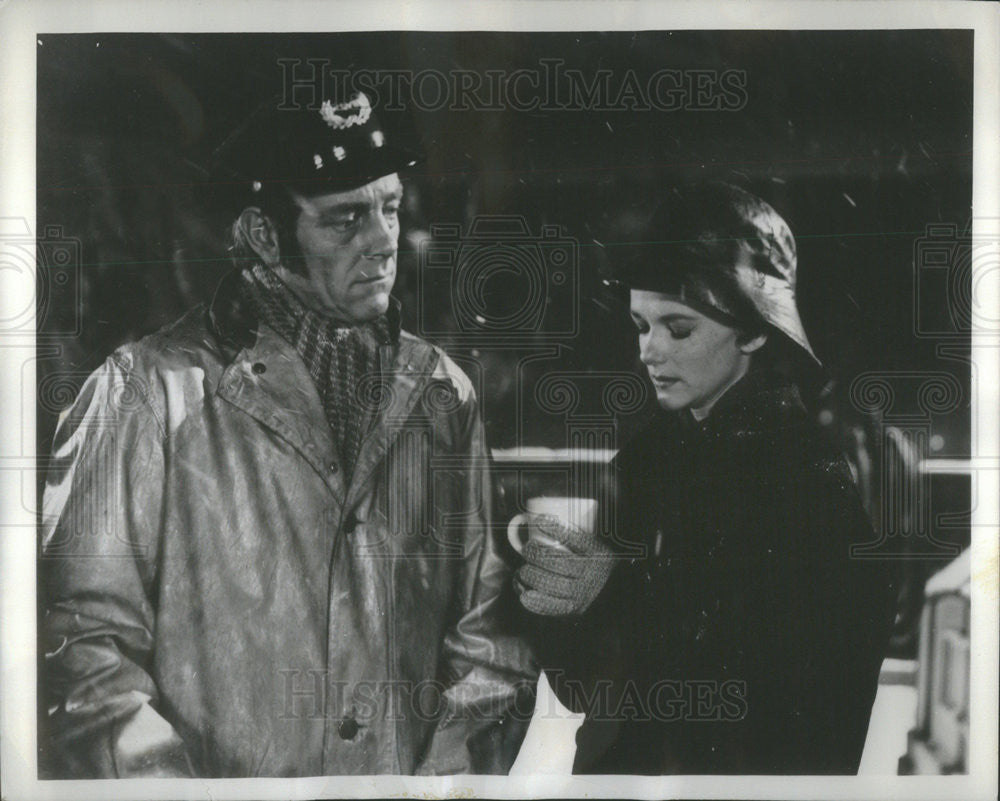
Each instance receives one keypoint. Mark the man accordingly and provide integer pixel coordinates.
(266, 530)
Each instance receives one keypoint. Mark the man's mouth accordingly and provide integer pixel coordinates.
(375, 279)
(664, 381)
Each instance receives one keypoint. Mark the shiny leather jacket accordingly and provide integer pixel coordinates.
(221, 602)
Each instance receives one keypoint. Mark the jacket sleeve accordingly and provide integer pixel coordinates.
(489, 672)
(101, 512)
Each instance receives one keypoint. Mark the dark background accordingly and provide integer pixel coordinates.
(861, 139)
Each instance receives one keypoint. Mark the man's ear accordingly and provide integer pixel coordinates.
(748, 344)
(260, 234)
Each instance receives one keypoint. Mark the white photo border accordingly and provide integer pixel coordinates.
(20, 23)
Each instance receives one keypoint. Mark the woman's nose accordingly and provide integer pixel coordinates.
(648, 353)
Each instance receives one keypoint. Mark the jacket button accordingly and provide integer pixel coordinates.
(350, 523)
(259, 368)
(348, 729)
(334, 467)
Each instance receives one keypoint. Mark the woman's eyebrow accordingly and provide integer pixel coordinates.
(677, 317)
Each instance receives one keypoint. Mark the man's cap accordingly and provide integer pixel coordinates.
(333, 148)
(720, 249)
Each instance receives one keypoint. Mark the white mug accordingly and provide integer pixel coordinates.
(577, 513)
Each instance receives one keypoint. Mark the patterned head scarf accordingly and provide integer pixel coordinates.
(720, 249)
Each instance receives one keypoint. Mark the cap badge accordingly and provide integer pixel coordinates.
(345, 115)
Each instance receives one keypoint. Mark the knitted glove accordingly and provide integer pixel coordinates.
(566, 577)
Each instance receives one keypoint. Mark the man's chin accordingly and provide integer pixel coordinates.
(373, 308)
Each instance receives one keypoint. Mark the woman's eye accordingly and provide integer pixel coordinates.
(642, 328)
(680, 333)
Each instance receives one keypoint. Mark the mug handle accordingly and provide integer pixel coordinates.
(514, 530)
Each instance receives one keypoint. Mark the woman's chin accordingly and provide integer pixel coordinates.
(670, 401)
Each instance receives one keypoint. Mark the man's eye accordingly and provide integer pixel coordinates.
(345, 220)
(641, 327)
(680, 333)
(391, 210)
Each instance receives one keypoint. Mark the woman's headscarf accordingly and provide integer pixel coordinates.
(719, 249)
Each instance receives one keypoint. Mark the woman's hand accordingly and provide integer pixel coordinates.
(562, 578)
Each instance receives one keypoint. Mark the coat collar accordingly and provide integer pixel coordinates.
(762, 401)
(234, 324)
(264, 377)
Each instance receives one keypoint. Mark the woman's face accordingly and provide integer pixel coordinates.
(692, 359)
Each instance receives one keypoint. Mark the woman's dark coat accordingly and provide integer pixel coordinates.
(745, 638)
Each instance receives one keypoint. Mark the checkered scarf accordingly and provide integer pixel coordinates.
(337, 356)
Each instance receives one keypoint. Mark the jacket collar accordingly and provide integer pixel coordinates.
(234, 324)
(762, 401)
(265, 378)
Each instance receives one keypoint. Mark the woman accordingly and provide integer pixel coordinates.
(744, 638)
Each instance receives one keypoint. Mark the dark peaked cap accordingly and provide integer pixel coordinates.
(333, 148)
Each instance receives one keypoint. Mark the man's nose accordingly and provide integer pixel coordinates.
(382, 238)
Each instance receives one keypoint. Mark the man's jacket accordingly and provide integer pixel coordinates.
(221, 601)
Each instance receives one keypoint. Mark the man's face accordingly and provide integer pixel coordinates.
(692, 359)
(348, 244)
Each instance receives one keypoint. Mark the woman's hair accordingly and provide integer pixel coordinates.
(727, 253)
(692, 242)
(780, 355)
